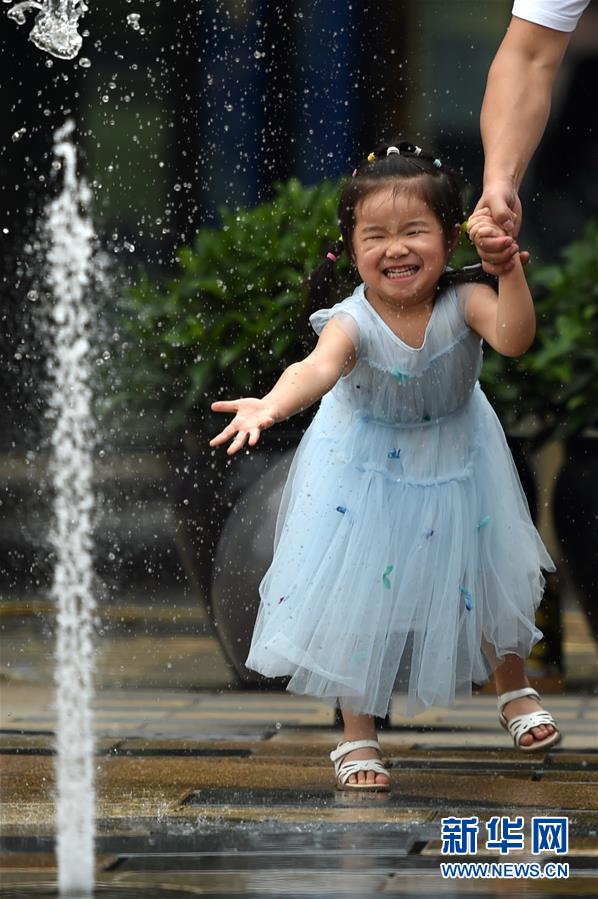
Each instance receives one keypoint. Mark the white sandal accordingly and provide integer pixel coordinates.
(522, 724)
(344, 772)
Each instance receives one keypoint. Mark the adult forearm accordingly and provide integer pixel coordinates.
(517, 100)
(514, 115)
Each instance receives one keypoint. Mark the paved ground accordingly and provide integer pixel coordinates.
(215, 792)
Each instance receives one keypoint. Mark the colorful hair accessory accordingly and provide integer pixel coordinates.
(437, 163)
(388, 570)
(392, 150)
(372, 157)
(331, 256)
(465, 227)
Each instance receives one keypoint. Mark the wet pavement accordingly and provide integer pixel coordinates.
(207, 790)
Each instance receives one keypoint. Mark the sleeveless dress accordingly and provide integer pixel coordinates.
(405, 558)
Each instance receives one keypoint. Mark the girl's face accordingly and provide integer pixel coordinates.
(399, 247)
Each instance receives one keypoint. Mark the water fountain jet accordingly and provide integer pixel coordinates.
(69, 235)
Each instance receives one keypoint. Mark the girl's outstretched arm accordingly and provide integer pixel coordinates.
(507, 321)
(299, 386)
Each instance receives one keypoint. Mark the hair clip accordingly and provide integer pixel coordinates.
(392, 150)
(331, 256)
(372, 157)
(437, 163)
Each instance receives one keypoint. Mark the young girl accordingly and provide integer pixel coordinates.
(404, 549)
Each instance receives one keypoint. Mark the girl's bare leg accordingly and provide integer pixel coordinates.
(511, 676)
(362, 727)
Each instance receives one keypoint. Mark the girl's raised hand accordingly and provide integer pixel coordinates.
(252, 417)
(495, 247)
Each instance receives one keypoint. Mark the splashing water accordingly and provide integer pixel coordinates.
(55, 26)
(70, 239)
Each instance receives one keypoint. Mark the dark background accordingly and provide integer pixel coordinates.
(212, 102)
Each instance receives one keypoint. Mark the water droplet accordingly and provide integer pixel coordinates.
(19, 134)
(84, 62)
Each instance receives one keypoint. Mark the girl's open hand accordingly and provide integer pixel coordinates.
(252, 417)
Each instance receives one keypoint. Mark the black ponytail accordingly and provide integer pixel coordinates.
(322, 280)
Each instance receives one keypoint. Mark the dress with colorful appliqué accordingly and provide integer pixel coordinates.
(406, 565)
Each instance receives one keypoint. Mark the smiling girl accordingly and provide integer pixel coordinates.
(404, 548)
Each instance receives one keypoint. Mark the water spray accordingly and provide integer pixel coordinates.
(55, 29)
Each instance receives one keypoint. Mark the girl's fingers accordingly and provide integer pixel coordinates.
(225, 406)
(254, 436)
(493, 241)
(224, 435)
(220, 438)
(237, 443)
(492, 250)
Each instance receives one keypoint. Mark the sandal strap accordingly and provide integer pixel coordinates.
(344, 772)
(521, 724)
(343, 748)
(504, 698)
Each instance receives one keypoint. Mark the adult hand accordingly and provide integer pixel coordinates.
(253, 416)
(502, 201)
(497, 249)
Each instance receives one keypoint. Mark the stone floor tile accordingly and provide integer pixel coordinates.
(268, 883)
(432, 885)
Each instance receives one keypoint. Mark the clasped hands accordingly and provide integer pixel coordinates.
(495, 235)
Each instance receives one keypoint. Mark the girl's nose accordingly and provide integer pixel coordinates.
(396, 247)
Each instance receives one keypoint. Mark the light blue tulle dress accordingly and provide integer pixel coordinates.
(405, 559)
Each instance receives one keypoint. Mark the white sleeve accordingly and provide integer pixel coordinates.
(561, 15)
(464, 291)
(345, 320)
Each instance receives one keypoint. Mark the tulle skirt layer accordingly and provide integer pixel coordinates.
(405, 562)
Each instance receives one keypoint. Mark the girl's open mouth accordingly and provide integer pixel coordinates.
(397, 273)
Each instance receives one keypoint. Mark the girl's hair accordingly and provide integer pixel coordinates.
(412, 170)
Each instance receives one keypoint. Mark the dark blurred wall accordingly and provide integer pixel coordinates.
(213, 101)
